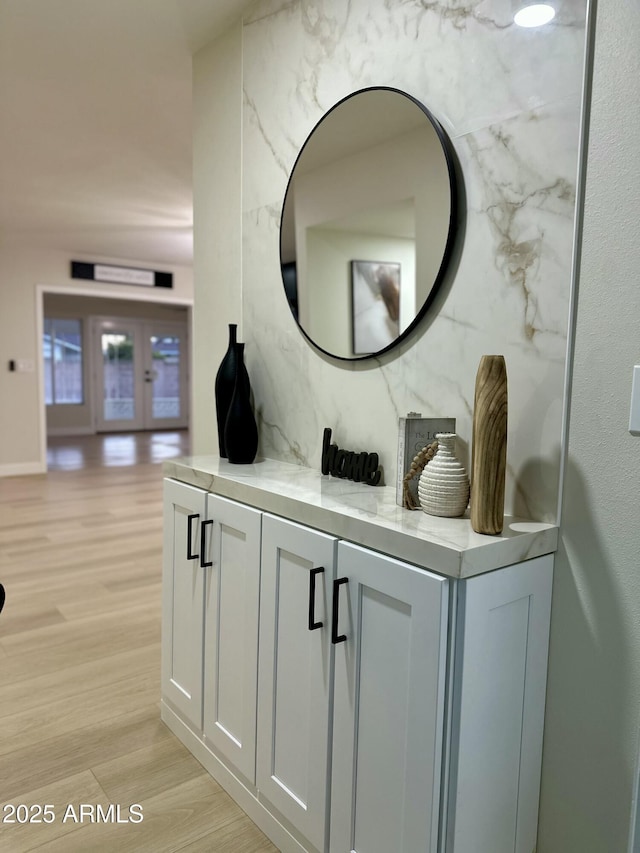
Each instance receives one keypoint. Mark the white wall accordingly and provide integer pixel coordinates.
(23, 274)
(217, 110)
(593, 705)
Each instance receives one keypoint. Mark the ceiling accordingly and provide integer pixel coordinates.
(95, 124)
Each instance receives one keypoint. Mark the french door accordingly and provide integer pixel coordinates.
(140, 374)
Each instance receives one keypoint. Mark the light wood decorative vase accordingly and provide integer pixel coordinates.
(443, 488)
(489, 446)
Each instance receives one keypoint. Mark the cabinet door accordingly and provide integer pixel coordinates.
(388, 704)
(500, 683)
(183, 600)
(231, 631)
(295, 674)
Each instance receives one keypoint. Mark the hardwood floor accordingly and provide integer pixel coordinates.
(80, 558)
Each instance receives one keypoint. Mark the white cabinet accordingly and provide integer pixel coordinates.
(500, 670)
(232, 595)
(298, 569)
(347, 699)
(388, 704)
(183, 600)
(211, 577)
(370, 632)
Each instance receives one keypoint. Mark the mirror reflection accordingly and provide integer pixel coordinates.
(367, 223)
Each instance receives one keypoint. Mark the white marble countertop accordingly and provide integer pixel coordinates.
(367, 515)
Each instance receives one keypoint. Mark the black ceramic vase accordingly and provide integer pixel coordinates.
(225, 383)
(240, 431)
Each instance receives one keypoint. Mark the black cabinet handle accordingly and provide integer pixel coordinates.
(203, 544)
(190, 555)
(312, 598)
(335, 637)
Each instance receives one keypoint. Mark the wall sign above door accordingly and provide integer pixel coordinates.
(115, 274)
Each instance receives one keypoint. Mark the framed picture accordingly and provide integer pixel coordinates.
(375, 305)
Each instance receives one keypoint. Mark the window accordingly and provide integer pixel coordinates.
(62, 347)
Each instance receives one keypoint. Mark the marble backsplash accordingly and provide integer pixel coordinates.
(510, 100)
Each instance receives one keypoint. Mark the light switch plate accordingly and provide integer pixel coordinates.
(634, 417)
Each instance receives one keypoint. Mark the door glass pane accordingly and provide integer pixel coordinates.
(117, 359)
(165, 352)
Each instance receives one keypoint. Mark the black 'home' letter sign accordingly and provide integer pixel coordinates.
(359, 467)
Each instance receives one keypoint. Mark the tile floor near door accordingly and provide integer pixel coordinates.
(80, 558)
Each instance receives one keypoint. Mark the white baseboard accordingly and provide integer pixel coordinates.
(81, 430)
(19, 469)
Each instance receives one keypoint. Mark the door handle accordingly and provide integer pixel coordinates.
(190, 554)
(203, 544)
(335, 637)
(312, 598)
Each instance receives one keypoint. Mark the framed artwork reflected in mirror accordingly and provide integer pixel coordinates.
(375, 305)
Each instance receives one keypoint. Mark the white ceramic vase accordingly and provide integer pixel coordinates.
(443, 488)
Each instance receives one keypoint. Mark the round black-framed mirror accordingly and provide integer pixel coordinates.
(368, 223)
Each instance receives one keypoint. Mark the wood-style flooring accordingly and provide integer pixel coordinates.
(80, 558)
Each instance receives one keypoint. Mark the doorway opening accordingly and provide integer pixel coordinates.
(125, 369)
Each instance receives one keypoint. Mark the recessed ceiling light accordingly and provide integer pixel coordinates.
(534, 15)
